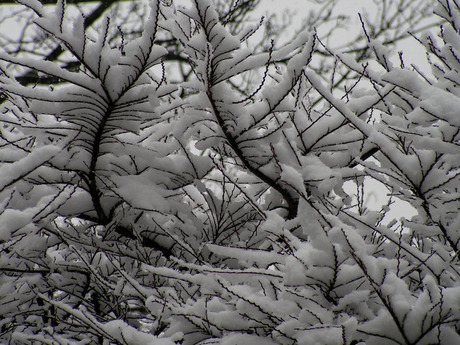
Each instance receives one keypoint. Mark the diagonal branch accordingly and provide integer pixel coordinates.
(292, 203)
(31, 76)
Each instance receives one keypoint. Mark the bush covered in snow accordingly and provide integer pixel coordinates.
(187, 182)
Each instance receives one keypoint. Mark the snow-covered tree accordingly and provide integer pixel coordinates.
(172, 182)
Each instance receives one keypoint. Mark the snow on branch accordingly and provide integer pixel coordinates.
(187, 179)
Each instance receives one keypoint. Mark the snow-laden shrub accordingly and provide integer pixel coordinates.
(137, 210)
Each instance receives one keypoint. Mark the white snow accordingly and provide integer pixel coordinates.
(140, 192)
(10, 173)
(240, 339)
(260, 257)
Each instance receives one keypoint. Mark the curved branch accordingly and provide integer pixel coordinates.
(292, 203)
